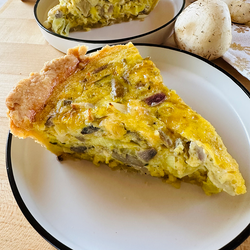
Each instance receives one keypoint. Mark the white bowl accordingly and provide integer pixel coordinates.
(154, 29)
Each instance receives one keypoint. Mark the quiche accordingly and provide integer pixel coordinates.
(112, 107)
(86, 14)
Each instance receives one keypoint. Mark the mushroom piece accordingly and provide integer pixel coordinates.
(197, 155)
(89, 130)
(198, 150)
(58, 14)
(155, 99)
(147, 155)
(117, 88)
(97, 70)
(66, 102)
(133, 161)
(84, 6)
(128, 159)
(49, 122)
(166, 139)
(135, 137)
(78, 149)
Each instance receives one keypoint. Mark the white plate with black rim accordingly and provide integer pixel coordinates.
(154, 29)
(76, 205)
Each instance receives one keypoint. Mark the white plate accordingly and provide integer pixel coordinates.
(155, 28)
(76, 205)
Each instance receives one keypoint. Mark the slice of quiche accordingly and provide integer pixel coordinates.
(86, 14)
(112, 107)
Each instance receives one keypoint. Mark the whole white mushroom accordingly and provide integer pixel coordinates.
(239, 10)
(204, 28)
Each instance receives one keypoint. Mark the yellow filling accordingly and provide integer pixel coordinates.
(101, 115)
(87, 14)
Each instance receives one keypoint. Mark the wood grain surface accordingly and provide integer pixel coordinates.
(23, 50)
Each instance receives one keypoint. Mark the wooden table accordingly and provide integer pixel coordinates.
(23, 50)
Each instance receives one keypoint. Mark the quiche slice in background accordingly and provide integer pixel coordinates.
(112, 107)
(86, 14)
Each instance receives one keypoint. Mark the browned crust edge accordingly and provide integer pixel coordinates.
(30, 95)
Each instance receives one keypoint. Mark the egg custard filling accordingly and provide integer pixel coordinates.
(112, 107)
(71, 15)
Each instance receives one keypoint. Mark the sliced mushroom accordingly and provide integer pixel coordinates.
(100, 69)
(84, 6)
(197, 151)
(111, 8)
(117, 88)
(134, 161)
(100, 10)
(147, 155)
(67, 102)
(58, 14)
(135, 137)
(126, 77)
(128, 159)
(49, 122)
(89, 130)
(166, 139)
(146, 9)
(78, 149)
(155, 99)
(196, 155)
(119, 157)
(201, 154)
